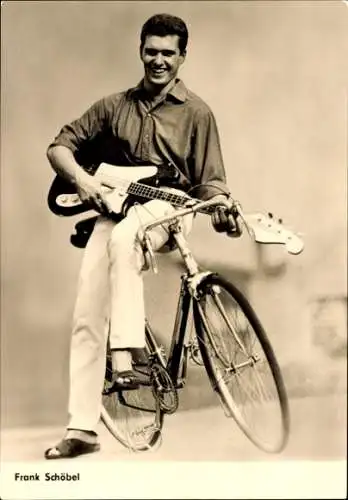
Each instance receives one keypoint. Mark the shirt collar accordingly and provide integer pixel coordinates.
(178, 91)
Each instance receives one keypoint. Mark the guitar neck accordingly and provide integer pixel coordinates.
(150, 192)
(154, 193)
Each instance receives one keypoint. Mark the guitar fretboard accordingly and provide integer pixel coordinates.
(152, 193)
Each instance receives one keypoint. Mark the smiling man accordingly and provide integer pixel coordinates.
(158, 122)
(162, 57)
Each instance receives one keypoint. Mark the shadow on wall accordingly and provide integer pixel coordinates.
(309, 367)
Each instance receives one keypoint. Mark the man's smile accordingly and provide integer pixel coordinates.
(158, 71)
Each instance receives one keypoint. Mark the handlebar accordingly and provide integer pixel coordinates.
(196, 206)
(260, 228)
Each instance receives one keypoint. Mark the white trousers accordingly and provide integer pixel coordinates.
(109, 302)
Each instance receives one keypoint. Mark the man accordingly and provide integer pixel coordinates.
(158, 122)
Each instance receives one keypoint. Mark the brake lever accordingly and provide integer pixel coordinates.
(237, 206)
(150, 253)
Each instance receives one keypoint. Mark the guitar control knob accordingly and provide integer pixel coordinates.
(280, 221)
(270, 215)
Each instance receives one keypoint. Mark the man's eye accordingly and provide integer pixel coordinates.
(165, 53)
(151, 52)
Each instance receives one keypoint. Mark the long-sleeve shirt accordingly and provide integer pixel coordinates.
(126, 129)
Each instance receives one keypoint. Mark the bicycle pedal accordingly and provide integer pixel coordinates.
(118, 388)
(140, 364)
(146, 383)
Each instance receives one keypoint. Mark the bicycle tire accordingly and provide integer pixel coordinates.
(133, 417)
(233, 354)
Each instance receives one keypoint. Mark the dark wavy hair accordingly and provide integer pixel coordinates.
(163, 25)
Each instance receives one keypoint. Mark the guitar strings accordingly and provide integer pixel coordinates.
(139, 189)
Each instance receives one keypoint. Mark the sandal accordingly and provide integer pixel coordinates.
(70, 448)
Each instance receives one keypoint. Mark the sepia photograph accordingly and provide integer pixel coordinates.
(174, 249)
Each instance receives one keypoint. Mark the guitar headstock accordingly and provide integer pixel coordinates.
(266, 229)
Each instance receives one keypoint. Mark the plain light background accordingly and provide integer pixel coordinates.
(275, 75)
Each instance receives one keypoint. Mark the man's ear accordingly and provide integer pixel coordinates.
(182, 56)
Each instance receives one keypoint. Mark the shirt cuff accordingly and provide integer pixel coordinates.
(207, 191)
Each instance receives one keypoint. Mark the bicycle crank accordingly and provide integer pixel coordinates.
(195, 354)
(163, 389)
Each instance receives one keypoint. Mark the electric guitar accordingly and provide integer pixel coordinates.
(122, 184)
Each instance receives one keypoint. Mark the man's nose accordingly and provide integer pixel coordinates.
(159, 59)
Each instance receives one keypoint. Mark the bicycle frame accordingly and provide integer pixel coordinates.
(178, 354)
(177, 359)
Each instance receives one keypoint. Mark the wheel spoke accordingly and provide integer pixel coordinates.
(242, 365)
(233, 330)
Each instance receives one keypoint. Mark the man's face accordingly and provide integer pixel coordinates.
(161, 58)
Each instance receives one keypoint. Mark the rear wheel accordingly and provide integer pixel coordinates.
(241, 363)
(133, 417)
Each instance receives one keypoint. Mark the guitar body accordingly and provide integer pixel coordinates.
(63, 199)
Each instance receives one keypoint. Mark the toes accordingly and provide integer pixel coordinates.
(52, 453)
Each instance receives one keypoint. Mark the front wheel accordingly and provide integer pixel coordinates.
(241, 363)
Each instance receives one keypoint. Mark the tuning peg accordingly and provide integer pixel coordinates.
(270, 215)
(280, 221)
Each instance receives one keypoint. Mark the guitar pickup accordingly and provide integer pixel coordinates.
(68, 200)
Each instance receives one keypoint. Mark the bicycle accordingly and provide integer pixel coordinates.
(229, 341)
